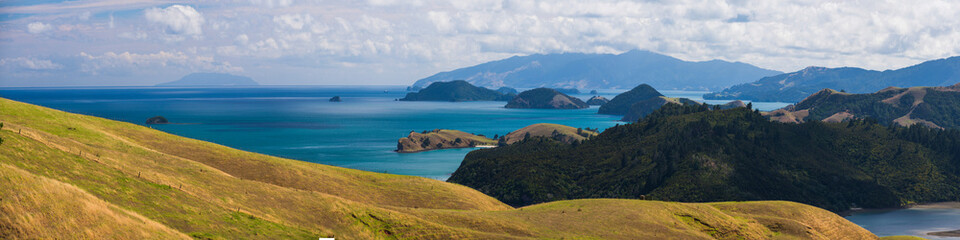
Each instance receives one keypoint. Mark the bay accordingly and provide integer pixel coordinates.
(299, 122)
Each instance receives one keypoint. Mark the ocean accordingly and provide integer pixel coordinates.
(299, 122)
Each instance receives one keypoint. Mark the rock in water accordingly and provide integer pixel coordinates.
(157, 120)
(335, 99)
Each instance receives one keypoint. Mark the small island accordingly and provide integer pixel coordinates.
(157, 120)
(621, 104)
(335, 99)
(456, 91)
(441, 139)
(546, 98)
(445, 139)
(597, 100)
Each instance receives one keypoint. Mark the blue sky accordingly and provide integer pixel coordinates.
(144, 42)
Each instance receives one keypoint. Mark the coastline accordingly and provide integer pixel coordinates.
(933, 205)
(951, 205)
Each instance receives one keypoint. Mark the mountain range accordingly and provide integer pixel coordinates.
(795, 86)
(604, 71)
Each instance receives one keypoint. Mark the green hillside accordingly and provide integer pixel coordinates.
(72, 176)
(687, 153)
(456, 91)
(937, 107)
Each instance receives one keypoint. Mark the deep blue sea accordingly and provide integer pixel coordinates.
(299, 122)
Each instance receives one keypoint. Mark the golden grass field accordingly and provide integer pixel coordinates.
(73, 176)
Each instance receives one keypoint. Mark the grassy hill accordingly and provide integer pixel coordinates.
(688, 153)
(562, 133)
(70, 176)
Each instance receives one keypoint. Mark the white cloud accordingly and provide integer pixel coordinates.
(30, 63)
(160, 61)
(293, 21)
(272, 3)
(38, 27)
(178, 19)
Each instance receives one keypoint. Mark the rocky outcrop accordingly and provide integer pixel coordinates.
(440, 139)
(157, 120)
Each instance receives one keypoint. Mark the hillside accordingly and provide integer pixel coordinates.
(691, 154)
(642, 108)
(545, 98)
(604, 71)
(937, 107)
(620, 105)
(65, 175)
(456, 91)
(210, 79)
(440, 139)
(565, 134)
(795, 86)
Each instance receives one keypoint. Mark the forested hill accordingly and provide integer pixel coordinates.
(457, 91)
(687, 153)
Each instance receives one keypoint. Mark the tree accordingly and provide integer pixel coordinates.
(502, 141)
(750, 105)
(457, 141)
(526, 136)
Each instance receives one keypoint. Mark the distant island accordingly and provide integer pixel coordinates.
(210, 79)
(597, 100)
(936, 107)
(604, 71)
(795, 86)
(643, 99)
(545, 98)
(456, 91)
(620, 105)
(691, 153)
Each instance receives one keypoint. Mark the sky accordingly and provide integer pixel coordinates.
(396, 42)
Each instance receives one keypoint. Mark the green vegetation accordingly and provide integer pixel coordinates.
(74, 176)
(688, 153)
(561, 133)
(456, 91)
(545, 98)
(931, 106)
(620, 105)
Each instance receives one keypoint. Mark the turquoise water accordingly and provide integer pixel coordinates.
(915, 222)
(299, 122)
